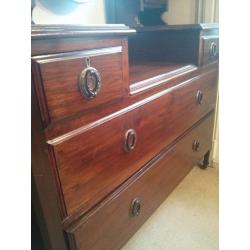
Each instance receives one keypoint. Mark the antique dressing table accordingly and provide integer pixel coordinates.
(119, 117)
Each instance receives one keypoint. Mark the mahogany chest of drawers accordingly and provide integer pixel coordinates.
(119, 118)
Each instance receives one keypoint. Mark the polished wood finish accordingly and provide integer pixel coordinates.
(40, 31)
(60, 45)
(90, 171)
(102, 165)
(145, 73)
(208, 35)
(150, 186)
(60, 75)
(61, 127)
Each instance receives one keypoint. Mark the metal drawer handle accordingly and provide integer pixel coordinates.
(90, 81)
(196, 145)
(135, 208)
(199, 97)
(213, 49)
(130, 140)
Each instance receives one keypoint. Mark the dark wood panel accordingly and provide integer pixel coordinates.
(37, 242)
(92, 160)
(179, 46)
(60, 75)
(151, 187)
(203, 27)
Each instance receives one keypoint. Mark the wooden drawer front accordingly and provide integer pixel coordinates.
(209, 49)
(60, 74)
(116, 220)
(95, 161)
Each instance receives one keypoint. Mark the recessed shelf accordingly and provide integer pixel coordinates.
(144, 75)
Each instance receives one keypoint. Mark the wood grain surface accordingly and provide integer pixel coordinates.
(151, 187)
(92, 161)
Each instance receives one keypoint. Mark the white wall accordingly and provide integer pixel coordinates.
(181, 11)
(192, 11)
(69, 12)
(211, 11)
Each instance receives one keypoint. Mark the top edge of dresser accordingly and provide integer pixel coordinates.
(177, 27)
(40, 31)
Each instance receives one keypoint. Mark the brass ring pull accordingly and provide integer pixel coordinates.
(199, 97)
(213, 49)
(135, 208)
(90, 81)
(196, 145)
(130, 140)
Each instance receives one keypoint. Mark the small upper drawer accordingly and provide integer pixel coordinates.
(74, 82)
(96, 158)
(209, 49)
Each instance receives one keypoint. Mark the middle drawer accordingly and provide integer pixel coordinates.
(95, 159)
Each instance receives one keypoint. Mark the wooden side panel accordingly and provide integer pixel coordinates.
(151, 187)
(45, 200)
(93, 163)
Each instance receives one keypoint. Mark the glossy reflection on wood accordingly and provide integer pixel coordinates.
(60, 74)
(151, 187)
(106, 151)
(94, 162)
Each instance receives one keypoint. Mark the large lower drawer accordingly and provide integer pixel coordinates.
(95, 159)
(111, 224)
